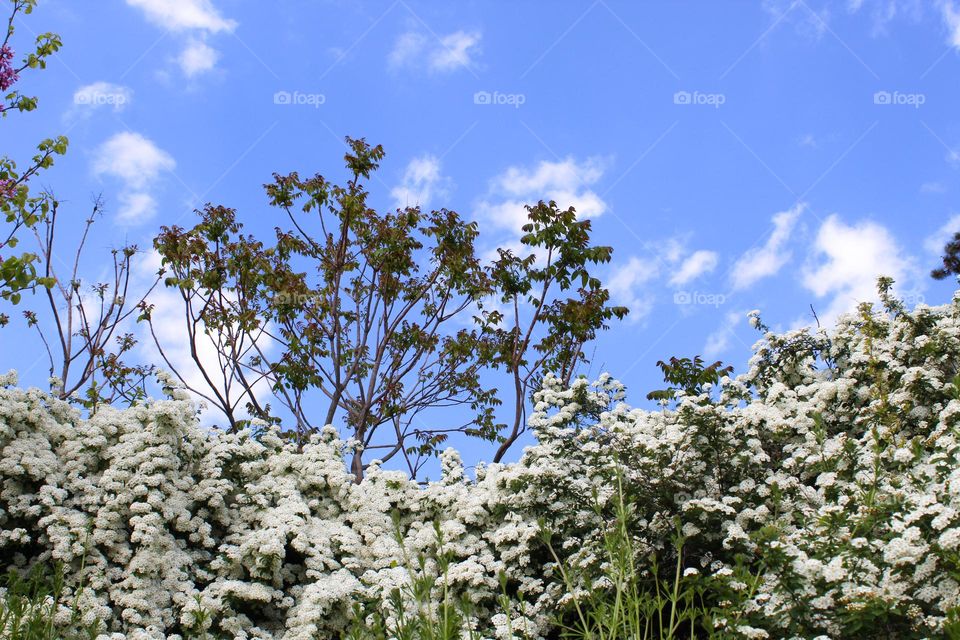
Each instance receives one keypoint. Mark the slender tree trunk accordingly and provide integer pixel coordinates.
(356, 467)
(517, 417)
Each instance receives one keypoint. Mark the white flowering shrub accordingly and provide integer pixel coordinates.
(816, 495)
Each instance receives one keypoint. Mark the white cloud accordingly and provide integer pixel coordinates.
(566, 182)
(695, 265)
(884, 12)
(198, 57)
(625, 282)
(406, 49)
(570, 182)
(455, 51)
(807, 22)
(936, 241)
(846, 261)
(549, 175)
(136, 206)
(101, 94)
(421, 183)
(508, 214)
(451, 52)
(184, 15)
(765, 261)
(951, 19)
(133, 158)
(719, 341)
(672, 249)
(137, 162)
(631, 283)
(196, 19)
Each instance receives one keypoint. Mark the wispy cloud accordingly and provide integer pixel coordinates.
(807, 22)
(719, 340)
(695, 265)
(407, 48)
(628, 284)
(137, 163)
(884, 13)
(636, 281)
(568, 182)
(846, 260)
(951, 20)
(422, 182)
(453, 51)
(937, 240)
(184, 15)
(198, 57)
(196, 20)
(767, 260)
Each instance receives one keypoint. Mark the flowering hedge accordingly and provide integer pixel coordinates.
(818, 494)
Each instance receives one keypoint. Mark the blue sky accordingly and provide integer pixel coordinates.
(738, 155)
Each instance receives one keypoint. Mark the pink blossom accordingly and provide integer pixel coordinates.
(8, 75)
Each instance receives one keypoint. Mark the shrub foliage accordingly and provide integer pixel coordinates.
(814, 495)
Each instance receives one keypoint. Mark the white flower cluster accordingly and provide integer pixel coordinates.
(817, 491)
